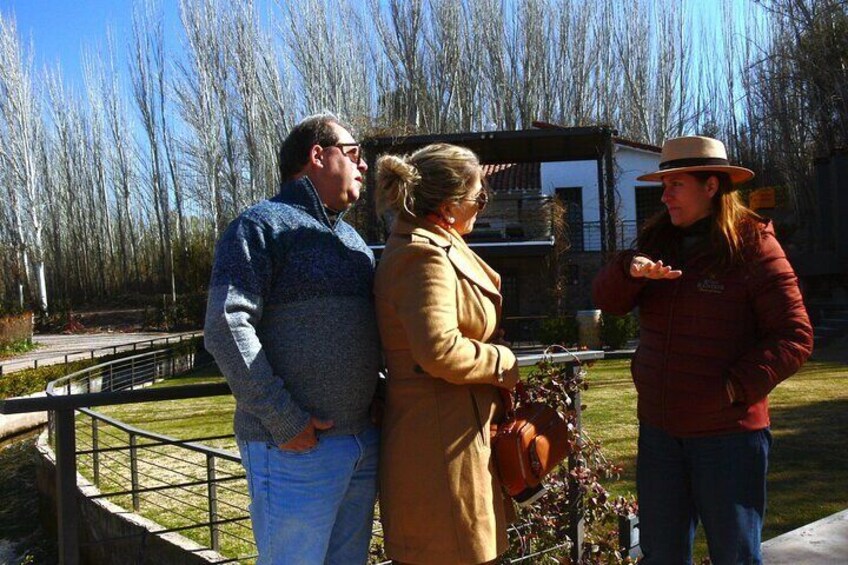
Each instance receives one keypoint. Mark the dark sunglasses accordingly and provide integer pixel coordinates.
(354, 153)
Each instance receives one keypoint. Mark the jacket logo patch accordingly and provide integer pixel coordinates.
(711, 285)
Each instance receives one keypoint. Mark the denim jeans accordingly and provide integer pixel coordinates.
(719, 480)
(316, 506)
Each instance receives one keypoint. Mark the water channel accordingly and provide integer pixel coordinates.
(23, 538)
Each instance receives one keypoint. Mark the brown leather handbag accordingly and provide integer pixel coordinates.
(531, 441)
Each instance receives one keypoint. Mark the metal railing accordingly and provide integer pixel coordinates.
(522, 330)
(188, 487)
(191, 488)
(587, 236)
(100, 351)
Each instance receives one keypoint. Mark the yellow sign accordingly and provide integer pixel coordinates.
(762, 198)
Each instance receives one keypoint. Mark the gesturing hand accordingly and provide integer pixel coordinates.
(641, 266)
(307, 438)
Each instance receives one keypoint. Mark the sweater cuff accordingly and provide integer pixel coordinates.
(291, 421)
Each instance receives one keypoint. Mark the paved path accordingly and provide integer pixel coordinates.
(823, 542)
(56, 346)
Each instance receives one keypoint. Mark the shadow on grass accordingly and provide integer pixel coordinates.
(808, 474)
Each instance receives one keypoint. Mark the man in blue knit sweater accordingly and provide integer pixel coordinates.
(291, 324)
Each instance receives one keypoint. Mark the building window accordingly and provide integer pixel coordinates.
(647, 203)
(571, 198)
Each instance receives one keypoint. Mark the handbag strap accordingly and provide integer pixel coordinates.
(509, 402)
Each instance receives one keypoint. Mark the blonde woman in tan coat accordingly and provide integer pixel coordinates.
(438, 310)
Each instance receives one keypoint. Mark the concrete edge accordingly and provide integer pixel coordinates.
(87, 489)
(826, 536)
(14, 424)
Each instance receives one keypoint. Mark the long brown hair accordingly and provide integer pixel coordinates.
(734, 226)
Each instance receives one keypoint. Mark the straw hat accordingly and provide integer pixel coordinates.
(696, 153)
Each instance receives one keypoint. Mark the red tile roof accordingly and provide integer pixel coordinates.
(637, 144)
(513, 176)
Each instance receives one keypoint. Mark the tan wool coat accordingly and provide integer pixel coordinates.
(438, 306)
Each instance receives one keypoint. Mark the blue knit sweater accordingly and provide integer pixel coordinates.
(290, 318)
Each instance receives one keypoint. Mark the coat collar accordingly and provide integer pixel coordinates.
(302, 193)
(459, 254)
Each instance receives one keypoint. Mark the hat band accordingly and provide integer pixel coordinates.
(694, 162)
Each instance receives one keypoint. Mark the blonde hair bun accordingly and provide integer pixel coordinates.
(421, 182)
(397, 167)
(396, 181)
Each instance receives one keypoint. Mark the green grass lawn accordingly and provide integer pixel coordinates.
(808, 476)
(808, 468)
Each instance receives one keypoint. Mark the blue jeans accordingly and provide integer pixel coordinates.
(316, 506)
(720, 480)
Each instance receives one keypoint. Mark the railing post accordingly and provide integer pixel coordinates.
(51, 426)
(213, 501)
(575, 497)
(66, 487)
(628, 536)
(132, 372)
(95, 451)
(134, 470)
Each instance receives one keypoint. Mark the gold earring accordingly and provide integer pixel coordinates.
(451, 219)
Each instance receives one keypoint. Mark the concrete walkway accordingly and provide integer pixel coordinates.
(55, 347)
(75, 346)
(823, 542)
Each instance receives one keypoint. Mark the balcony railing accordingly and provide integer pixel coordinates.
(587, 236)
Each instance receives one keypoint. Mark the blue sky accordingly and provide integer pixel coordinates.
(60, 29)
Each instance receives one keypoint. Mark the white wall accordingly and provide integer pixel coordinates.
(574, 173)
(630, 163)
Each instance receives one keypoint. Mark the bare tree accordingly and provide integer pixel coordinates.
(147, 64)
(121, 157)
(21, 113)
(200, 108)
(327, 55)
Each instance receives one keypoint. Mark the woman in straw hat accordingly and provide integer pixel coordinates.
(722, 323)
(438, 310)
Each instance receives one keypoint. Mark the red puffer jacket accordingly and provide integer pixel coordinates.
(748, 325)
